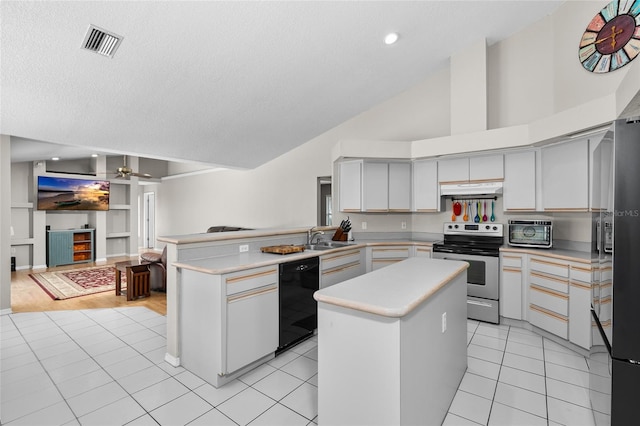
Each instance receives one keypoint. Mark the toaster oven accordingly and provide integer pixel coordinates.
(530, 233)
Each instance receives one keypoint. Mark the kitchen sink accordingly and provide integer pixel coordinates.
(325, 245)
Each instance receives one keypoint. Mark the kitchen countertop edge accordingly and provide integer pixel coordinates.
(378, 309)
(258, 260)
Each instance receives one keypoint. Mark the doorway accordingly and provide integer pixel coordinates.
(325, 209)
(149, 214)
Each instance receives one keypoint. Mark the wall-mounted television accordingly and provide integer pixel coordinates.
(60, 193)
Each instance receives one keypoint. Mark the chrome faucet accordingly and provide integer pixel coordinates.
(311, 235)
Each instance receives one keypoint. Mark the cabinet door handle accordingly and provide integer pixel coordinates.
(250, 276)
(344, 268)
(477, 303)
(258, 292)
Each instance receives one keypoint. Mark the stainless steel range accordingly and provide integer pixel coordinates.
(479, 244)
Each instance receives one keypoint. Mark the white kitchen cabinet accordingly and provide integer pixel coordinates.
(426, 190)
(520, 181)
(381, 256)
(511, 283)
(453, 170)
(228, 323)
(601, 173)
(375, 187)
(252, 316)
(422, 251)
(565, 176)
(400, 186)
(486, 168)
(481, 168)
(252, 326)
(549, 295)
(341, 266)
(351, 186)
(580, 279)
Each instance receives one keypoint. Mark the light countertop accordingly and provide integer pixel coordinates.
(238, 262)
(569, 255)
(393, 291)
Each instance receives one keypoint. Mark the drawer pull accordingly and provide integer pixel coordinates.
(580, 285)
(548, 313)
(581, 269)
(549, 292)
(518, 271)
(258, 292)
(477, 303)
(392, 249)
(341, 255)
(387, 260)
(546, 262)
(250, 276)
(549, 277)
(340, 269)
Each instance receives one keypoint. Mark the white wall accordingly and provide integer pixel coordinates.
(531, 75)
(283, 191)
(5, 224)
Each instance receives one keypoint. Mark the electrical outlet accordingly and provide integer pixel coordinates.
(444, 322)
(364, 225)
(403, 225)
(244, 248)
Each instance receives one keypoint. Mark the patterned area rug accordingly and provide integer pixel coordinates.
(62, 285)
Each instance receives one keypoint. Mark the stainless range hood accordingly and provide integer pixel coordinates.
(482, 188)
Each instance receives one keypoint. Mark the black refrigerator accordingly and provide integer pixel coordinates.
(614, 362)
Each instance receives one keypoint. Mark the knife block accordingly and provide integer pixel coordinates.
(339, 235)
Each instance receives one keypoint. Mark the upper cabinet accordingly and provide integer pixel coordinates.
(351, 186)
(375, 186)
(426, 194)
(520, 181)
(400, 187)
(565, 176)
(453, 170)
(484, 168)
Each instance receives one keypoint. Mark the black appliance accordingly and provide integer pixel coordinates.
(479, 245)
(614, 362)
(298, 309)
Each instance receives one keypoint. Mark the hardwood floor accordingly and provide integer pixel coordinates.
(27, 296)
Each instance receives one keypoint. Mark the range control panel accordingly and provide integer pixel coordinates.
(480, 229)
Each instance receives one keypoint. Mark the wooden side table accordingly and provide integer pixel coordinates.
(137, 279)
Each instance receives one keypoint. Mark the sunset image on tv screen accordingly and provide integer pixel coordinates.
(55, 193)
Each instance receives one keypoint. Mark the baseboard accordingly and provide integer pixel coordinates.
(175, 361)
(5, 311)
(101, 260)
(39, 267)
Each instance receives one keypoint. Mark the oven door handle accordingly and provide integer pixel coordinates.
(475, 302)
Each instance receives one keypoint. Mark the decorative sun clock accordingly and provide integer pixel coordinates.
(612, 39)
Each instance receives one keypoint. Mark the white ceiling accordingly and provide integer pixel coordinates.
(223, 82)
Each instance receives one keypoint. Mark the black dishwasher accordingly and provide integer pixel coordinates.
(298, 309)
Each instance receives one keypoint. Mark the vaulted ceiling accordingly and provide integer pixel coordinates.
(222, 82)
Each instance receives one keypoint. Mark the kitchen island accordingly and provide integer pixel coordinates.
(392, 344)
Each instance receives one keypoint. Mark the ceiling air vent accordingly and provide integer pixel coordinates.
(101, 41)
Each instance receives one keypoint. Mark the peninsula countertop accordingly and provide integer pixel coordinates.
(237, 262)
(393, 291)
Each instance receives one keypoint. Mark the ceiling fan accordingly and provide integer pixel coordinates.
(125, 171)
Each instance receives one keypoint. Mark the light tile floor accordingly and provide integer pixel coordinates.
(106, 367)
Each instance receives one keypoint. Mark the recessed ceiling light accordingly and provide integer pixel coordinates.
(94, 155)
(55, 158)
(391, 38)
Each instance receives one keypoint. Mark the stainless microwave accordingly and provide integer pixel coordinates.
(530, 233)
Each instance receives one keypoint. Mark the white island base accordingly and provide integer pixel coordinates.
(383, 357)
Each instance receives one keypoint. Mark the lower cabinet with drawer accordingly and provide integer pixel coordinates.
(382, 256)
(341, 266)
(252, 316)
(228, 322)
(511, 283)
(549, 295)
(580, 279)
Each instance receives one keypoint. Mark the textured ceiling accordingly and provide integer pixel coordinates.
(227, 83)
